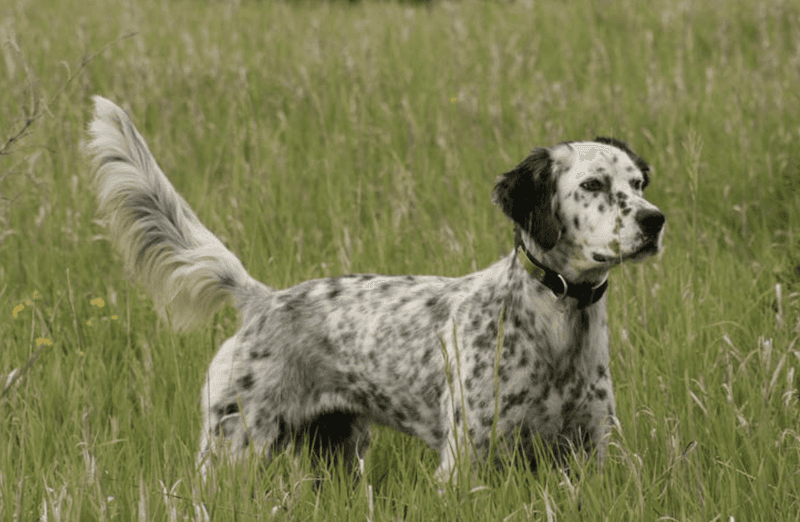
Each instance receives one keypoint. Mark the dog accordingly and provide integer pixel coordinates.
(519, 347)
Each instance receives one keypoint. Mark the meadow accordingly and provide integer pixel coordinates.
(321, 138)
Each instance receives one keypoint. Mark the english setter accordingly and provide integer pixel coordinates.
(419, 354)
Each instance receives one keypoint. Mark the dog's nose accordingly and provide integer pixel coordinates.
(650, 221)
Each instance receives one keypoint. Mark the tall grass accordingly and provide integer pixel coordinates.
(322, 138)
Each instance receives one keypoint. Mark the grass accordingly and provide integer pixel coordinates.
(324, 138)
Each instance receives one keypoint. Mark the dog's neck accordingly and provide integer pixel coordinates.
(546, 268)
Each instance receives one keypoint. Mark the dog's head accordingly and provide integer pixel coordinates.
(584, 202)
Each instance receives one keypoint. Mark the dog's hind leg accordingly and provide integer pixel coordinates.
(223, 430)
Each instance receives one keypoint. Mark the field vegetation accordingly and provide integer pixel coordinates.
(321, 138)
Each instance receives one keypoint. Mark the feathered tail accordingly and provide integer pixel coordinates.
(183, 265)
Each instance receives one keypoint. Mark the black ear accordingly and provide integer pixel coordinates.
(639, 162)
(525, 195)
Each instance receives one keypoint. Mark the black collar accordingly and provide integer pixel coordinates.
(586, 293)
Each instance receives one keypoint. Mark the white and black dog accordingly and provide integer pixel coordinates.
(329, 357)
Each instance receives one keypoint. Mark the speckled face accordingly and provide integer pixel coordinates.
(601, 205)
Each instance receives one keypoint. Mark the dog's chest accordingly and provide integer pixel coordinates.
(554, 360)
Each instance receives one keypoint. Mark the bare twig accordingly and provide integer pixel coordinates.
(36, 112)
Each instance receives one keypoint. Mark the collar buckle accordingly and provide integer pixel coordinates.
(585, 293)
(564, 285)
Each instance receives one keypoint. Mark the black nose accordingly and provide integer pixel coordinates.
(650, 221)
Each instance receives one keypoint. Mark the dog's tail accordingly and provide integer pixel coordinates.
(185, 267)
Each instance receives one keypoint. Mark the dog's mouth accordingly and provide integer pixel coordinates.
(646, 250)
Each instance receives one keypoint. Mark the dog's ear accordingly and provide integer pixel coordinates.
(525, 194)
(638, 161)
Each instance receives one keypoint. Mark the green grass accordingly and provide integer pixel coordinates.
(318, 139)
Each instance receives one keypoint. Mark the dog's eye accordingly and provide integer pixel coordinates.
(636, 184)
(592, 185)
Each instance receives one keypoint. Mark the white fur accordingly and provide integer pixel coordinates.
(187, 273)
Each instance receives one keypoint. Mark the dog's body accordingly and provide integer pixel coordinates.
(416, 353)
